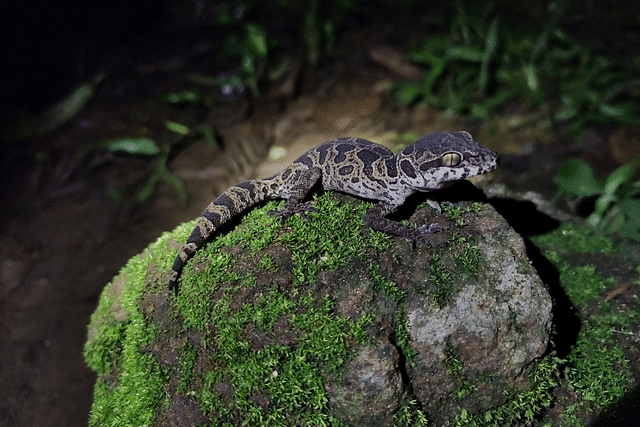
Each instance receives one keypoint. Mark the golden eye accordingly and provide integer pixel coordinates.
(451, 159)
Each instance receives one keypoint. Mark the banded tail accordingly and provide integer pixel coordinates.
(224, 207)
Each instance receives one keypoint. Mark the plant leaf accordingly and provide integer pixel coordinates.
(630, 229)
(134, 146)
(619, 176)
(622, 112)
(575, 177)
(409, 92)
(177, 184)
(631, 208)
(490, 47)
(176, 127)
(466, 53)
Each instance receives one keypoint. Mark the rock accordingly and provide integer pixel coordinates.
(323, 321)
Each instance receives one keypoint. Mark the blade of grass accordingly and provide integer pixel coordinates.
(490, 48)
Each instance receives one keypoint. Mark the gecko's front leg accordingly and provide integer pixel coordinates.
(376, 220)
(295, 204)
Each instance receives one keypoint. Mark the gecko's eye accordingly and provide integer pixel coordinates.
(451, 159)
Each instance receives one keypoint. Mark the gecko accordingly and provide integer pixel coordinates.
(357, 167)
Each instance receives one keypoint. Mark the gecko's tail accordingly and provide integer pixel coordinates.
(227, 205)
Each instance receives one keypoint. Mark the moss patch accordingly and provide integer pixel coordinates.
(253, 378)
(522, 408)
(597, 368)
(118, 336)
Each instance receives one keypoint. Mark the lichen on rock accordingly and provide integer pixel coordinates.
(322, 322)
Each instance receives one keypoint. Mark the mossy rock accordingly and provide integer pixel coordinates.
(325, 322)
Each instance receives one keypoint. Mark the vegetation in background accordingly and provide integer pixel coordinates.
(480, 58)
(617, 207)
(253, 48)
(484, 60)
(597, 367)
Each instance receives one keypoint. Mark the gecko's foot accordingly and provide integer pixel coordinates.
(287, 211)
(422, 233)
(448, 204)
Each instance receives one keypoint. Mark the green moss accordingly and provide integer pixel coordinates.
(267, 263)
(402, 338)
(253, 379)
(194, 300)
(273, 384)
(105, 352)
(441, 279)
(563, 246)
(524, 406)
(574, 238)
(138, 375)
(582, 284)
(454, 213)
(334, 235)
(452, 361)
(409, 415)
(469, 260)
(596, 368)
(455, 368)
(186, 362)
(288, 376)
(389, 287)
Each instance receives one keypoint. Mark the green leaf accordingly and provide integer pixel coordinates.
(575, 177)
(531, 77)
(616, 179)
(630, 229)
(433, 50)
(490, 47)
(184, 97)
(176, 127)
(209, 135)
(256, 40)
(620, 176)
(409, 92)
(623, 112)
(148, 189)
(177, 184)
(466, 53)
(134, 146)
(631, 208)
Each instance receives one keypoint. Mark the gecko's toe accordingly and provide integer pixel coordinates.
(427, 230)
(299, 209)
(421, 235)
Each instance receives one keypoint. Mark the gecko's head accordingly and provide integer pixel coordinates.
(437, 160)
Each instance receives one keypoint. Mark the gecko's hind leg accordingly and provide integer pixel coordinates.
(295, 204)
